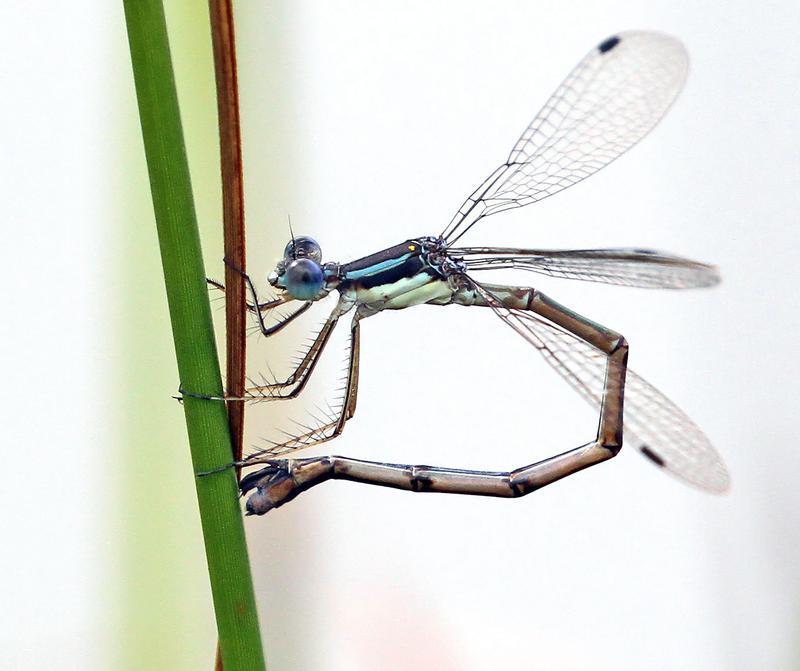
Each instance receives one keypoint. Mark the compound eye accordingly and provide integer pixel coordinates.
(303, 247)
(304, 279)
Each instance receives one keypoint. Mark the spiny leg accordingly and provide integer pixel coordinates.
(263, 307)
(272, 330)
(294, 384)
(260, 309)
(255, 308)
(283, 480)
(353, 369)
(314, 436)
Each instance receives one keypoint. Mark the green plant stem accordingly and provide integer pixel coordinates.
(195, 349)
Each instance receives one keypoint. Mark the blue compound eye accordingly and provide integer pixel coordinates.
(304, 279)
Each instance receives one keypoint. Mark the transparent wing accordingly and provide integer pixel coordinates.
(609, 102)
(653, 424)
(625, 267)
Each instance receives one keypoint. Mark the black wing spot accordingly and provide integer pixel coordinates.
(609, 44)
(652, 456)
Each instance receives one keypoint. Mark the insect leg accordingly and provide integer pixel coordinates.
(352, 376)
(260, 309)
(298, 378)
(316, 435)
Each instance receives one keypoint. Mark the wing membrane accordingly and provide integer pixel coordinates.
(653, 424)
(625, 267)
(610, 101)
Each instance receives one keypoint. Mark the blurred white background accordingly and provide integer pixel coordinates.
(369, 122)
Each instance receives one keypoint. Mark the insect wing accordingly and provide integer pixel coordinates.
(624, 267)
(653, 424)
(610, 101)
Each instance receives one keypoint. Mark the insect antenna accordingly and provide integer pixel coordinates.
(291, 233)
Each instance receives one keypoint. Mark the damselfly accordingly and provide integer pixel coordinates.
(609, 102)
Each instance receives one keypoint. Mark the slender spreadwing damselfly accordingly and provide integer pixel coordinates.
(609, 102)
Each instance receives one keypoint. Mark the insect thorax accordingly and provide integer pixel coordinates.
(434, 251)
